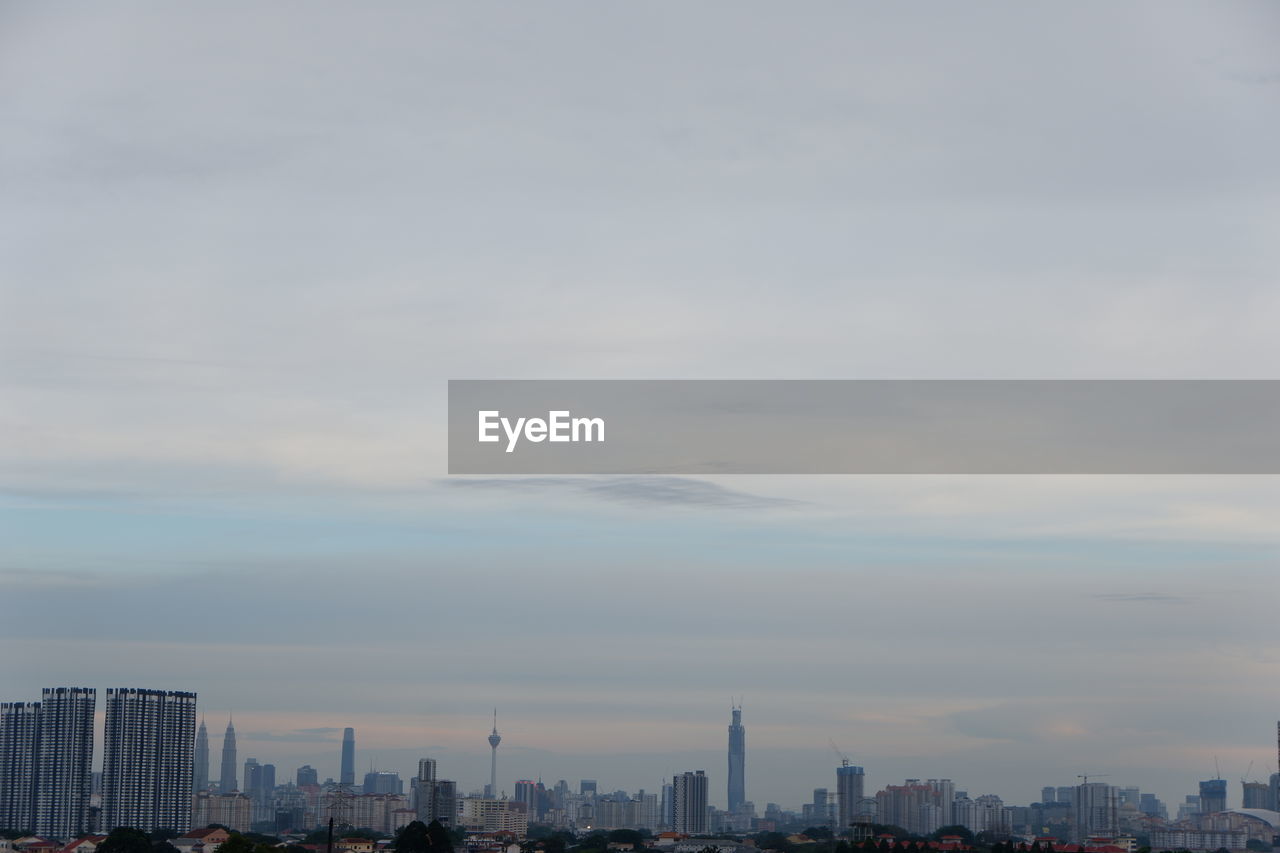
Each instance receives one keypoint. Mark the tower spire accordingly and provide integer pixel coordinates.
(494, 740)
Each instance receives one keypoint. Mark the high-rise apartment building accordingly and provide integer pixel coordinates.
(234, 811)
(850, 780)
(737, 762)
(1096, 810)
(689, 803)
(147, 760)
(227, 783)
(18, 726)
(64, 761)
(200, 773)
(918, 808)
(1256, 795)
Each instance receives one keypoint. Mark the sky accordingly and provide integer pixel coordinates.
(244, 248)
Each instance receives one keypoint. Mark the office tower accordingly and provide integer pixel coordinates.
(227, 783)
(527, 792)
(307, 776)
(251, 781)
(737, 762)
(1213, 796)
(1148, 804)
(348, 774)
(382, 782)
(424, 790)
(668, 804)
(849, 786)
(267, 788)
(64, 761)
(445, 802)
(1096, 810)
(1273, 786)
(18, 725)
(689, 803)
(1048, 794)
(200, 779)
(494, 740)
(147, 759)
(587, 788)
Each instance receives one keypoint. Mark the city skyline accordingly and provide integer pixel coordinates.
(148, 762)
(236, 285)
(538, 764)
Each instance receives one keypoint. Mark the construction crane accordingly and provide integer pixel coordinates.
(844, 759)
(1085, 776)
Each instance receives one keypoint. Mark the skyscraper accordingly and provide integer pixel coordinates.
(494, 740)
(849, 792)
(148, 758)
(424, 790)
(64, 761)
(307, 775)
(445, 801)
(348, 774)
(1213, 796)
(227, 781)
(18, 724)
(527, 792)
(382, 782)
(737, 762)
(200, 773)
(1096, 810)
(689, 803)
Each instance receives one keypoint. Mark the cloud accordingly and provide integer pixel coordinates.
(1140, 597)
(318, 735)
(660, 491)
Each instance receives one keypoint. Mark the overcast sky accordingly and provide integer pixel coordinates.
(244, 247)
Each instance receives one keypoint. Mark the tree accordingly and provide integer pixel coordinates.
(413, 838)
(773, 841)
(440, 841)
(627, 836)
(126, 839)
(237, 843)
(954, 829)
